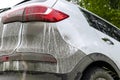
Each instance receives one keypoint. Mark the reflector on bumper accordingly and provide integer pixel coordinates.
(42, 57)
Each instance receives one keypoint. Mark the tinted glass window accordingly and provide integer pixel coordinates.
(101, 25)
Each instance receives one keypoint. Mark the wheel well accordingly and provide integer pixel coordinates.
(105, 66)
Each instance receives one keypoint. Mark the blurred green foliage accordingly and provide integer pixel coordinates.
(107, 9)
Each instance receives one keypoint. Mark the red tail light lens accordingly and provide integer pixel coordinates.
(41, 13)
(34, 13)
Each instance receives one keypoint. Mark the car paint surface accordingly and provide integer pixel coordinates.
(69, 40)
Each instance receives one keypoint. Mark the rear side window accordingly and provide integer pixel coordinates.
(102, 25)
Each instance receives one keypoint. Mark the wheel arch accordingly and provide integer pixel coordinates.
(95, 59)
(102, 60)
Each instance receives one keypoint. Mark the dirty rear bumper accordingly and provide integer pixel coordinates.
(37, 65)
(33, 75)
(14, 75)
(29, 67)
(32, 62)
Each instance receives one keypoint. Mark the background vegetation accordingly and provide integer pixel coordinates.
(107, 9)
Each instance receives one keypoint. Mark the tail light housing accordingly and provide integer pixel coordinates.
(34, 13)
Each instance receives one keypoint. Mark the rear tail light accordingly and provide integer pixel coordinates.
(34, 13)
(13, 16)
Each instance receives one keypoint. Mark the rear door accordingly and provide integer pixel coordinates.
(108, 35)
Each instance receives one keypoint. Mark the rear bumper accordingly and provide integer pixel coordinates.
(29, 66)
(37, 75)
(33, 62)
(40, 62)
(41, 66)
(31, 76)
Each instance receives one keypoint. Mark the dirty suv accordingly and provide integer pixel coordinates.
(57, 40)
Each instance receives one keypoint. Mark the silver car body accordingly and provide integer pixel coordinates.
(72, 44)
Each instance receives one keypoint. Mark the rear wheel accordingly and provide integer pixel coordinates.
(96, 73)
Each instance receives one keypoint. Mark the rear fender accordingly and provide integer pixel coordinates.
(76, 73)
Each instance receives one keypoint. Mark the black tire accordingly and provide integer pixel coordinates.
(96, 73)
